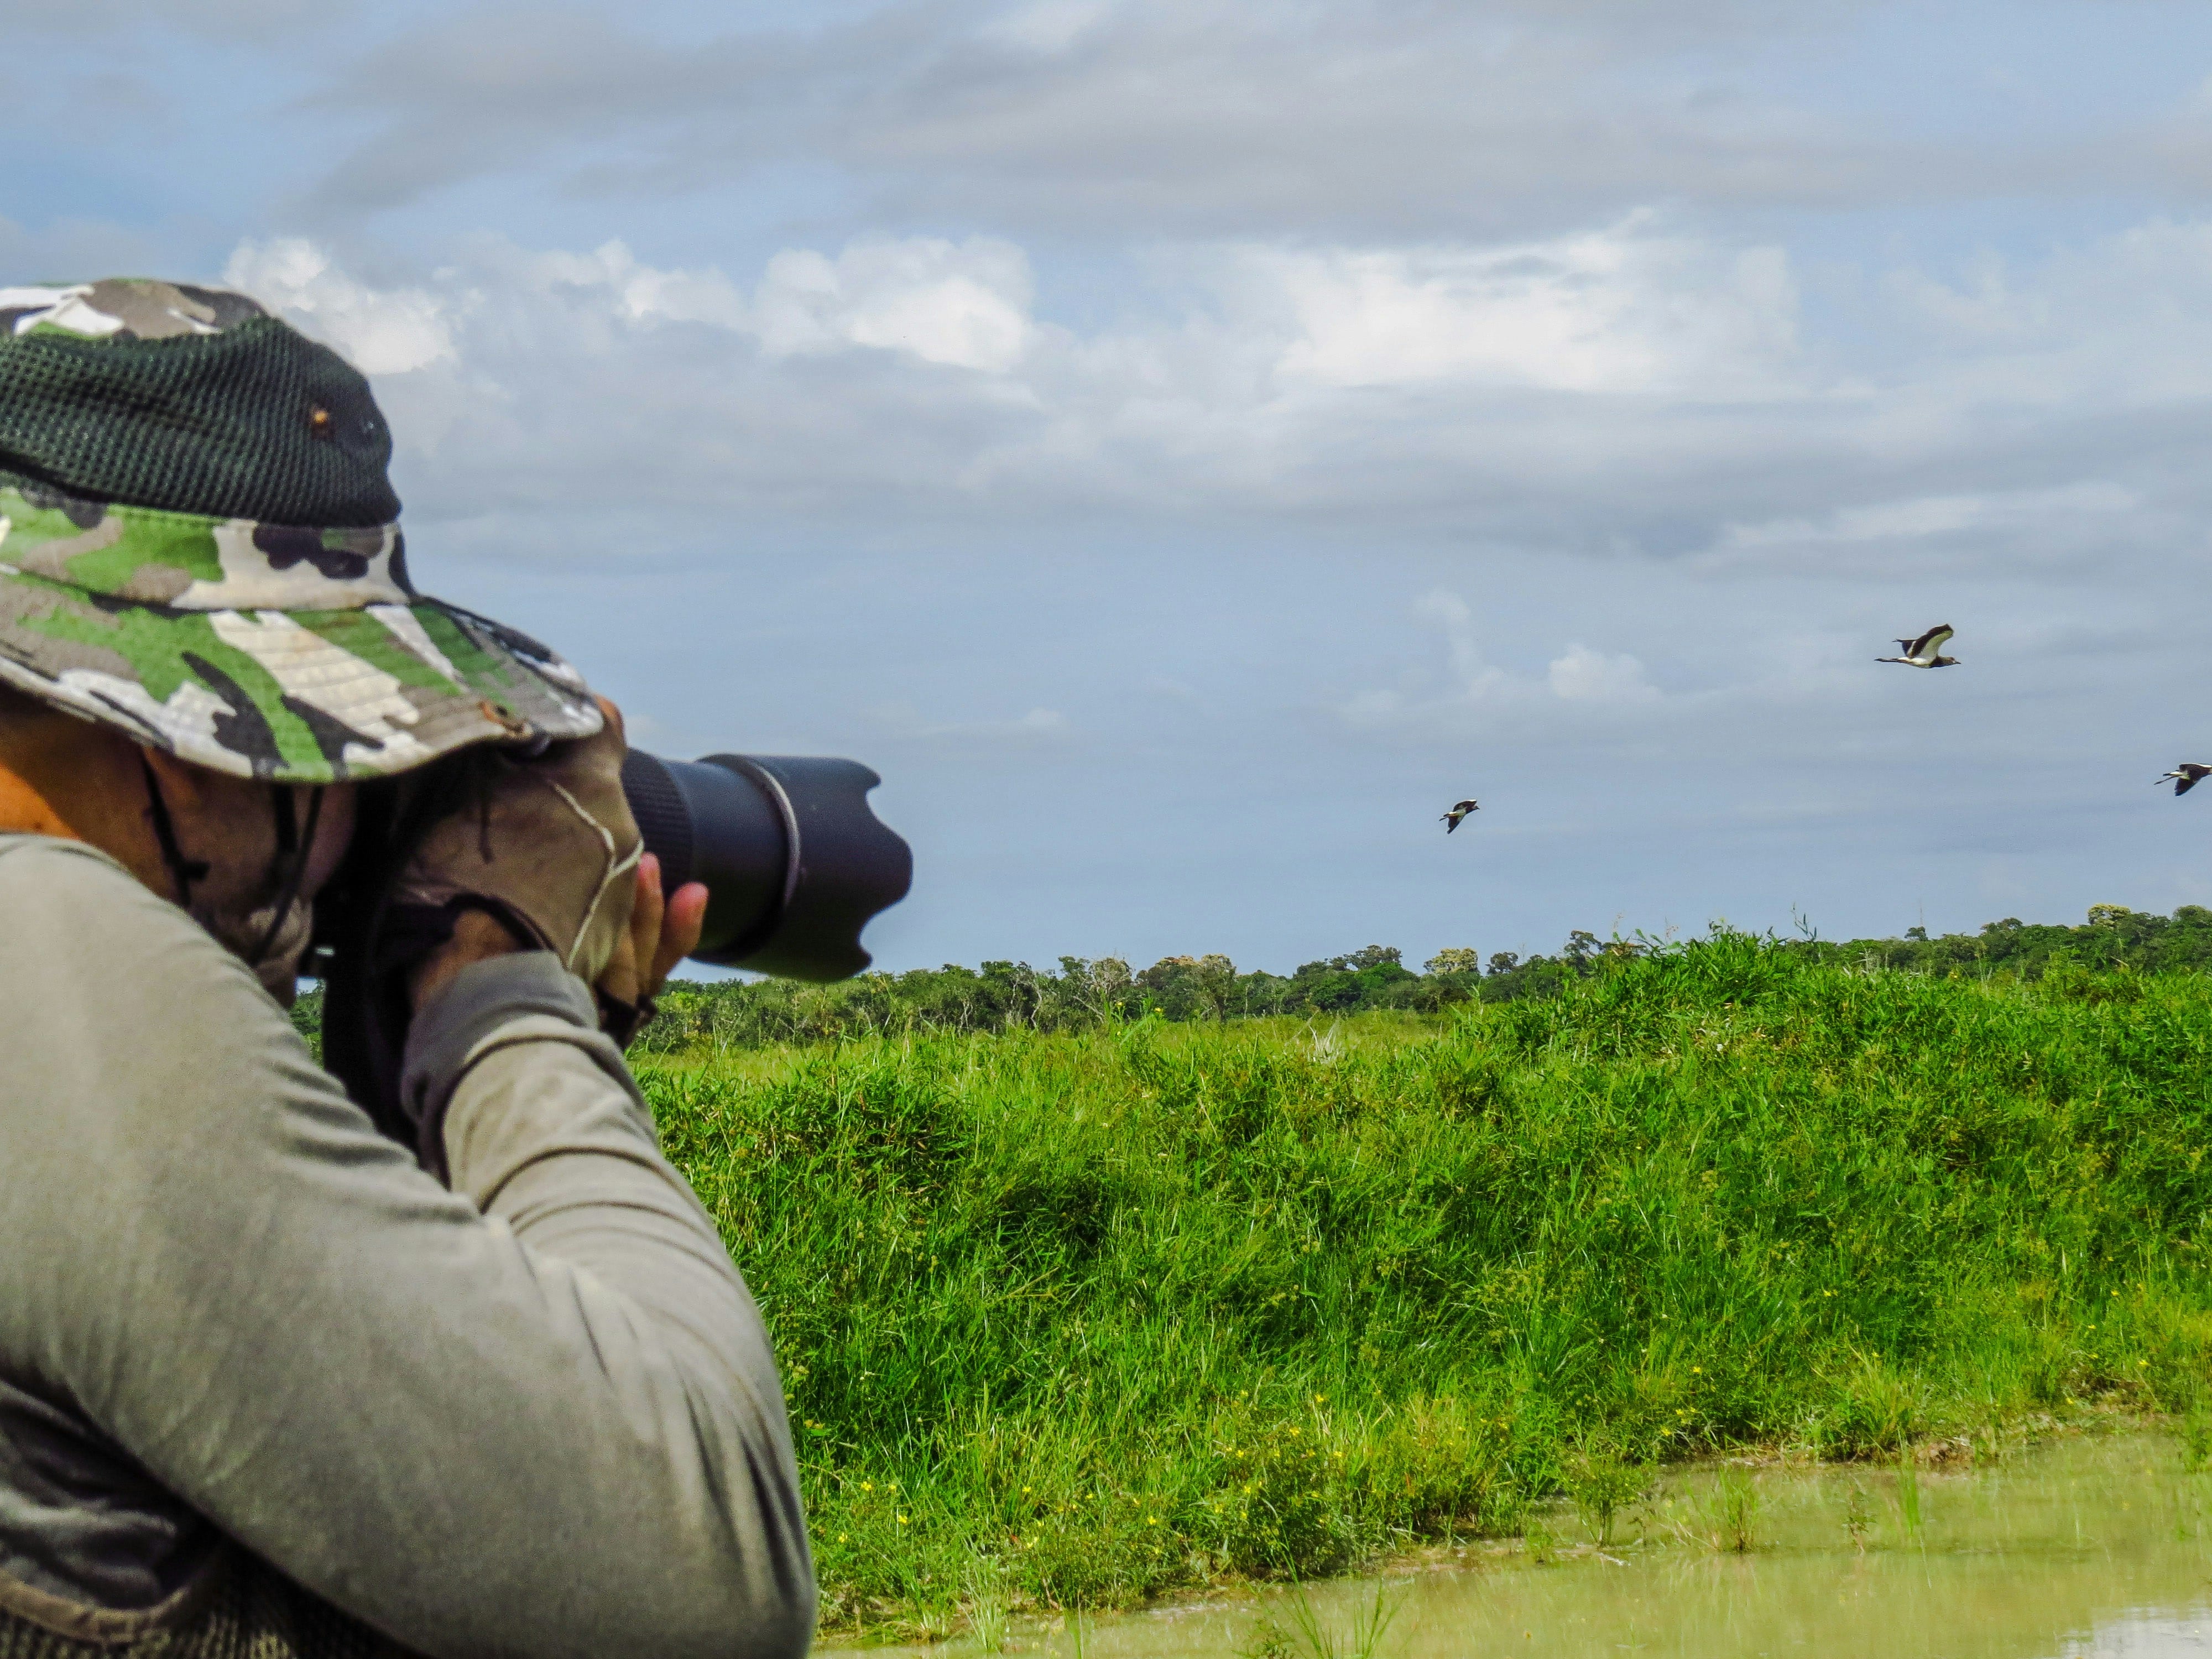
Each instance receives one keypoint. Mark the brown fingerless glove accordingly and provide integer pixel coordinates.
(548, 845)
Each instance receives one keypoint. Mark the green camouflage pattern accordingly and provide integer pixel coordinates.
(266, 651)
(293, 653)
(122, 308)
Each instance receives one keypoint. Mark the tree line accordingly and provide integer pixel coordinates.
(1085, 991)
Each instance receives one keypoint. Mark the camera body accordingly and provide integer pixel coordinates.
(794, 861)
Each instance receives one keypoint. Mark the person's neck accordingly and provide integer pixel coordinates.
(25, 810)
(64, 777)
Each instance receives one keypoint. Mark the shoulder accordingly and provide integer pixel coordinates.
(90, 946)
(43, 875)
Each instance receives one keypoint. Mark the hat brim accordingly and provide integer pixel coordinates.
(292, 696)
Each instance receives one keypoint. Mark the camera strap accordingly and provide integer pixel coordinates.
(182, 871)
(297, 845)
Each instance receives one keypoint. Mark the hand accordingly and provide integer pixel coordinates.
(660, 934)
(546, 844)
(478, 936)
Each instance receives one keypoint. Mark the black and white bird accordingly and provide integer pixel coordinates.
(1460, 810)
(1926, 651)
(2186, 776)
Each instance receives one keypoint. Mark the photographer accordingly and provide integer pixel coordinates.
(458, 1365)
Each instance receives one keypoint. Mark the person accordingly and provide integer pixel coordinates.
(454, 1365)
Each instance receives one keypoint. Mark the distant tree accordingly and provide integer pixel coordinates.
(1094, 992)
(1171, 986)
(1084, 993)
(1215, 978)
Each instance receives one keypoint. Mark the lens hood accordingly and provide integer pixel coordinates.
(794, 859)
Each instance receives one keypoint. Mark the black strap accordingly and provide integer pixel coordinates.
(182, 871)
(300, 846)
(622, 1020)
(288, 822)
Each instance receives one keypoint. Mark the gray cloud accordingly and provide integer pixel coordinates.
(1632, 389)
(1397, 302)
(83, 20)
(1391, 119)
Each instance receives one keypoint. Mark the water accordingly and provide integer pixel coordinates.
(2088, 1549)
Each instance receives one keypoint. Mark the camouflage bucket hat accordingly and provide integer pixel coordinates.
(198, 544)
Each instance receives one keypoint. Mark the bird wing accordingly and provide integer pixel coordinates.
(1931, 643)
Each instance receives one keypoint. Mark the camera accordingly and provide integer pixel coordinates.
(794, 860)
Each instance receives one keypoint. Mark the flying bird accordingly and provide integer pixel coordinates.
(1925, 652)
(1460, 810)
(2186, 776)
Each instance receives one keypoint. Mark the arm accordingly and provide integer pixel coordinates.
(536, 1415)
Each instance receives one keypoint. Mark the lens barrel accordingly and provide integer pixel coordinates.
(794, 859)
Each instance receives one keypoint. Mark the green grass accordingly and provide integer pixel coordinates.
(1074, 1320)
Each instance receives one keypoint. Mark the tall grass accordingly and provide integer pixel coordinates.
(1087, 1317)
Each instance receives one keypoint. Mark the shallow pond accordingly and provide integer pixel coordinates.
(2086, 1548)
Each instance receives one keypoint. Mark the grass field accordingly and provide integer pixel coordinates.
(1082, 1318)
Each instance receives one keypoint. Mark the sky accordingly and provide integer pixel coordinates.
(1184, 447)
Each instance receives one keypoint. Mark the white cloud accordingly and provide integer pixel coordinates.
(2006, 515)
(1587, 675)
(382, 331)
(963, 304)
(1478, 681)
(1615, 311)
(1046, 27)
(644, 294)
(1634, 389)
(1580, 676)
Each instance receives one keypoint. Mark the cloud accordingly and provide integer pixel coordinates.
(965, 304)
(1926, 528)
(1047, 27)
(1636, 387)
(219, 19)
(381, 331)
(1610, 311)
(1389, 119)
(1587, 675)
(1498, 698)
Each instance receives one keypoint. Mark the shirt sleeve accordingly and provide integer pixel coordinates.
(536, 1414)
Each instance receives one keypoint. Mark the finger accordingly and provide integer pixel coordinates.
(614, 717)
(679, 932)
(646, 911)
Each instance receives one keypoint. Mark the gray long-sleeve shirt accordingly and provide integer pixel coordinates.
(534, 1414)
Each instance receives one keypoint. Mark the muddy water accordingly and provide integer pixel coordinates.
(2089, 1547)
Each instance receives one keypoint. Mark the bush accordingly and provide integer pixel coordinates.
(1109, 1311)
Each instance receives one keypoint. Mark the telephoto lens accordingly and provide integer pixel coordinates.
(794, 860)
